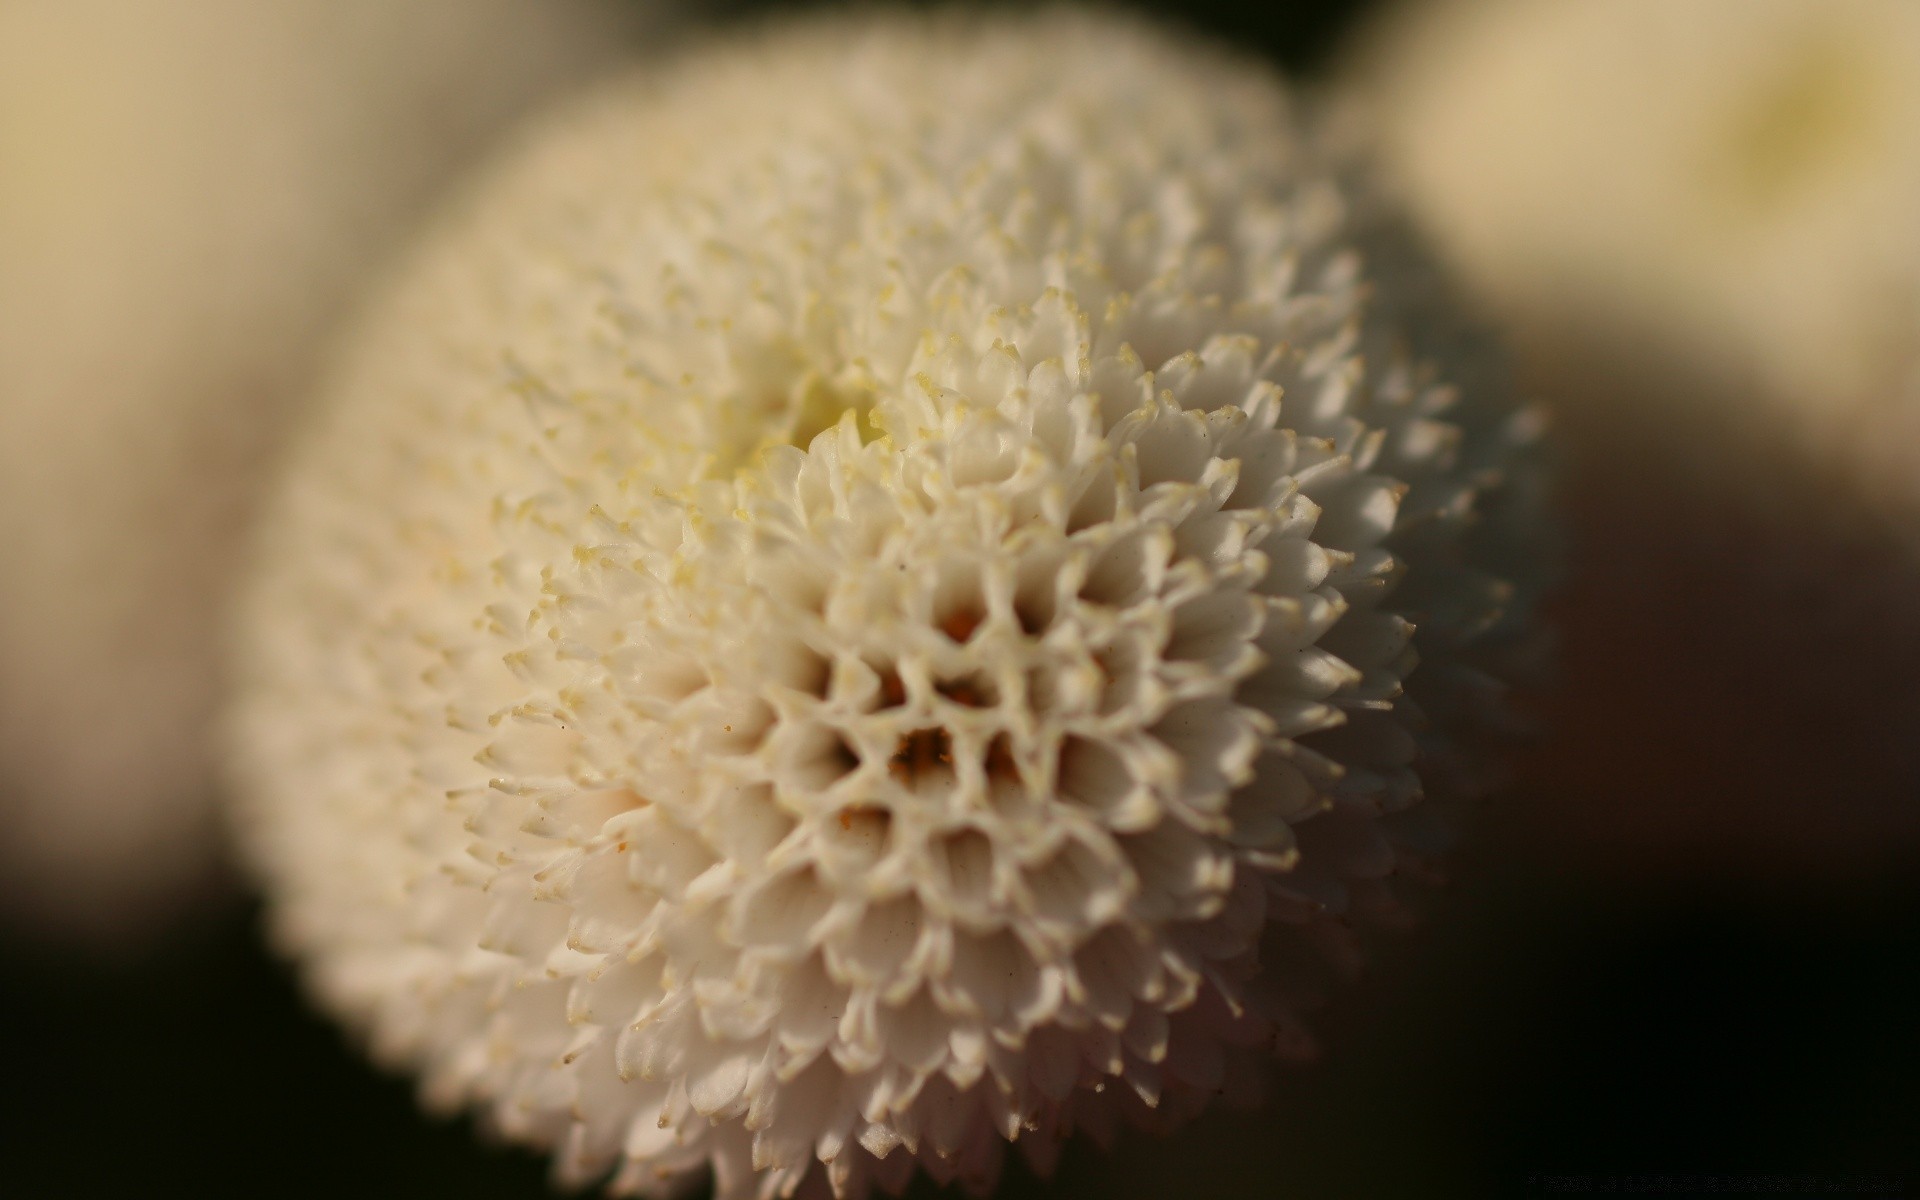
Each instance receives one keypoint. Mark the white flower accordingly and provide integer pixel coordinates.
(191, 188)
(1729, 182)
(858, 602)
(1699, 217)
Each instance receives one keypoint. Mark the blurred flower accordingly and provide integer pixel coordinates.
(1729, 183)
(1699, 218)
(188, 193)
(808, 640)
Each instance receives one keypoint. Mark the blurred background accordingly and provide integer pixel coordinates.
(1683, 943)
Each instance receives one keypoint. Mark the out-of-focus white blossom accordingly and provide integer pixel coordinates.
(1731, 184)
(861, 600)
(189, 190)
(1702, 219)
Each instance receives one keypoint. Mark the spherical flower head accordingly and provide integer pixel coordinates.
(1729, 183)
(191, 193)
(860, 600)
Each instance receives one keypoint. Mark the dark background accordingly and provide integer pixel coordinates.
(1594, 996)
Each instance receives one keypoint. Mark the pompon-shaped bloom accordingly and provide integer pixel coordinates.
(188, 193)
(1730, 183)
(860, 599)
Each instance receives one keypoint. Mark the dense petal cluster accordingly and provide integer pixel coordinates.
(1728, 182)
(860, 600)
(191, 191)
